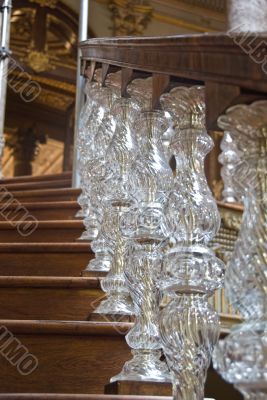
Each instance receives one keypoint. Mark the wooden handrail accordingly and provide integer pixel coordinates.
(223, 62)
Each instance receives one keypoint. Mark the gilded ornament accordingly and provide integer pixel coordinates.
(130, 17)
(38, 61)
(55, 100)
(231, 219)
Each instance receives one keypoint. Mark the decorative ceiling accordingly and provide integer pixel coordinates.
(44, 49)
(44, 35)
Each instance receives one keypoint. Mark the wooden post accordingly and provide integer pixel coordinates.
(160, 84)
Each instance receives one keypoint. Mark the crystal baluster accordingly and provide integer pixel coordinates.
(191, 272)
(99, 120)
(150, 180)
(119, 156)
(241, 358)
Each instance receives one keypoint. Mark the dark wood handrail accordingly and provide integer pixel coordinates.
(226, 63)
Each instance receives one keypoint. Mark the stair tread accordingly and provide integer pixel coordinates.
(45, 204)
(72, 247)
(231, 206)
(74, 328)
(38, 185)
(30, 178)
(55, 224)
(49, 282)
(43, 192)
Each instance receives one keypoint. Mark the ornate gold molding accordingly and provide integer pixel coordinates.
(130, 17)
(45, 3)
(231, 218)
(180, 23)
(53, 83)
(224, 242)
(54, 100)
(39, 61)
(214, 5)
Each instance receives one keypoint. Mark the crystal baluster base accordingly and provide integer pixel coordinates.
(101, 263)
(116, 304)
(146, 365)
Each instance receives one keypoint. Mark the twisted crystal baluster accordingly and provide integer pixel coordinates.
(118, 302)
(119, 156)
(90, 90)
(101, 247)
(100, 120)
(100, 108)
(150, 180)
(191, 272)
(242, 357)
(96, 173)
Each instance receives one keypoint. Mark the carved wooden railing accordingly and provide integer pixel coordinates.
(231, 67)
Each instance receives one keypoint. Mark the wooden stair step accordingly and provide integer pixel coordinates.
(33, 396)
(78, 357)
(49, 298)
(41, 195)
(44, 259)
(40, 231)
(55, 210)
(14, 187)
(37, 178)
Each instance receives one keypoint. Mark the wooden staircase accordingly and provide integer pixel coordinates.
(46, 304)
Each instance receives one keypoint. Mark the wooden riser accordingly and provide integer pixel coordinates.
(38, 178)
(40, 231)
(13, 187)
(72, 299)
(57, 259)
(42, 211)
(44, 195)
(72, 357)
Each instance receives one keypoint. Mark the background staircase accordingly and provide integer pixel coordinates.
(46, 303)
